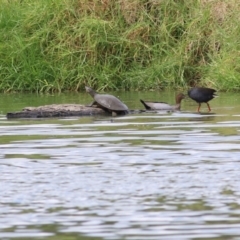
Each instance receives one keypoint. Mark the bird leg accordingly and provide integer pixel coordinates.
(199, 106)
(209, 109)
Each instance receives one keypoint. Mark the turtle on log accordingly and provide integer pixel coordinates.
(107, 102)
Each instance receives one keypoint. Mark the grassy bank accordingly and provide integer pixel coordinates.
(61, 45)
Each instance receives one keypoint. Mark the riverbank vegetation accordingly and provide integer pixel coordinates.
(63, 45)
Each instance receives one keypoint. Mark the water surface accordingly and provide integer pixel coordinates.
(144, 176)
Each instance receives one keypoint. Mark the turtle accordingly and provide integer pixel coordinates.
(164, 106)
(107, 102)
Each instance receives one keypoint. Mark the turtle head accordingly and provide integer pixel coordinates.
(90, 91)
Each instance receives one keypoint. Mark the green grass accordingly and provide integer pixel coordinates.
(63, 45)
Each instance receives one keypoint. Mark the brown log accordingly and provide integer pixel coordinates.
(57, 110)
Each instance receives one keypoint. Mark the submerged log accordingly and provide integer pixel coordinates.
(57, 110)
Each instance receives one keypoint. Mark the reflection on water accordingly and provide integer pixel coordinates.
(142, 176)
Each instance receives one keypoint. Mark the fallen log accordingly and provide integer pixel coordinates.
(57, 110)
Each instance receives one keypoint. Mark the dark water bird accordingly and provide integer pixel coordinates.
(164, 106)
(202, 95)
(107, 102)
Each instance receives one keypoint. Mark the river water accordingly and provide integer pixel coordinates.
(146, 176)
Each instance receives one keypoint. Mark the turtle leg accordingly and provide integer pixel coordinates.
(114, 114)
(91, 104)
(209, 109)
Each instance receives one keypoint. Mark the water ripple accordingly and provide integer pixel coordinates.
(152, 176)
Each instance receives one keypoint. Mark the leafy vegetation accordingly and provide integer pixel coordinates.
(63, 45)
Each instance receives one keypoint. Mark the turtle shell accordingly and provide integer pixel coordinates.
(110, 102)
(107, 101)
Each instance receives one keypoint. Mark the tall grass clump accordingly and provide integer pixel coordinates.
(62, 45)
